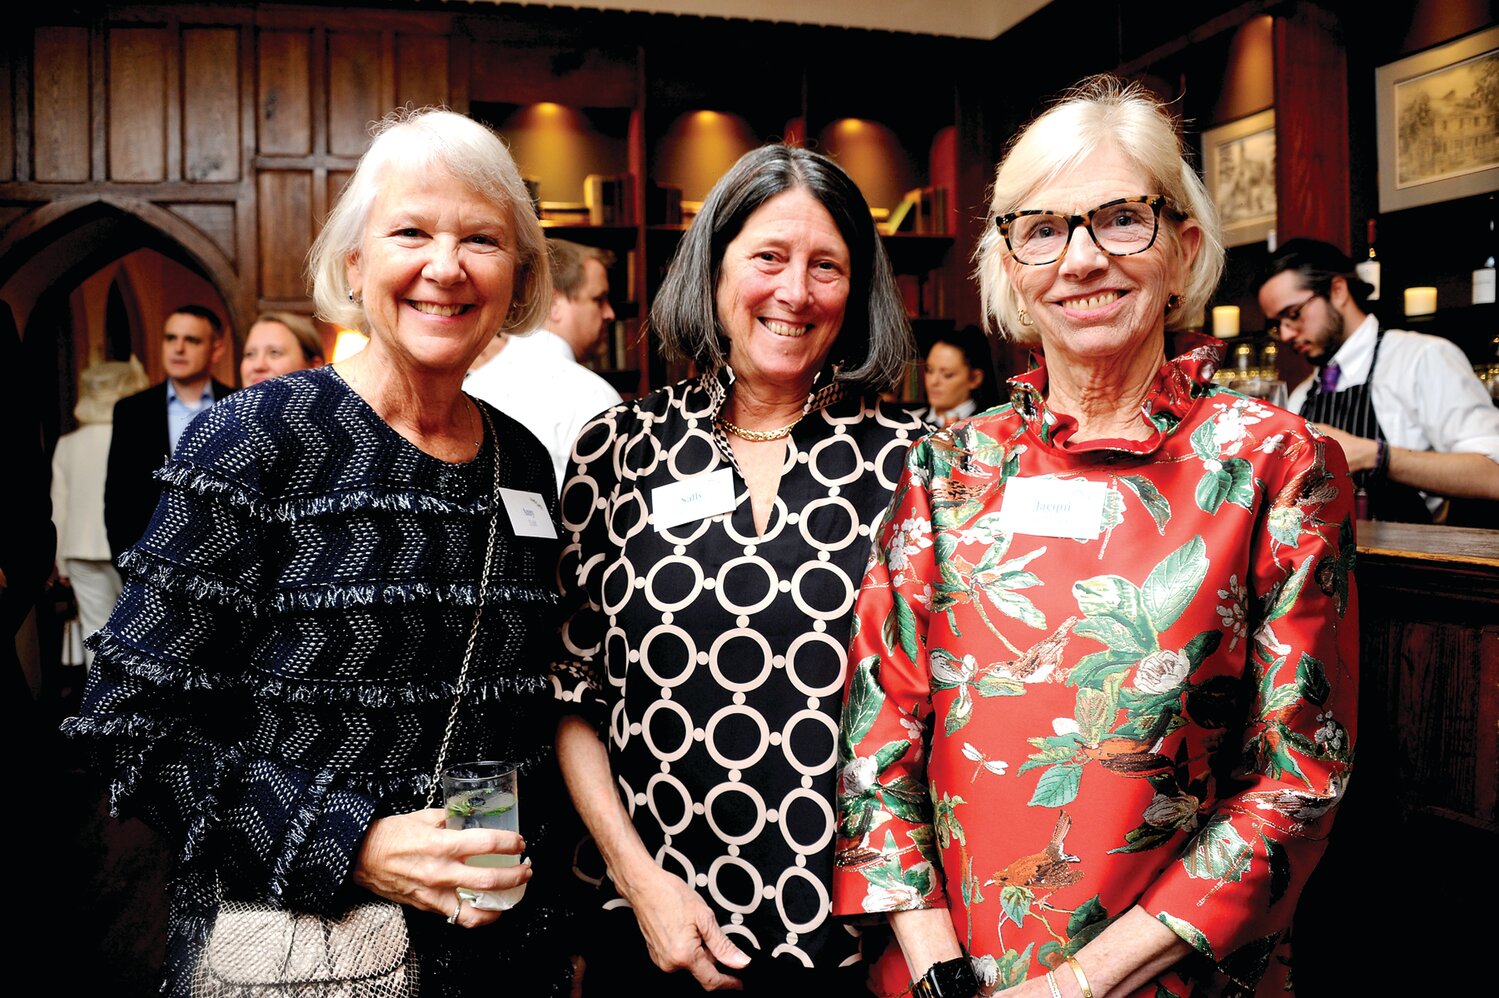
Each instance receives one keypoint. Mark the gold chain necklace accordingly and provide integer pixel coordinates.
(757, 436)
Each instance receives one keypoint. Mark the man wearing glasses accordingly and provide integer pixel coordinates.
(1414, 420)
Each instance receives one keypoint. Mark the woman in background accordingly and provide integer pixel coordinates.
(955, 373)
(78, 466)
(279, 343)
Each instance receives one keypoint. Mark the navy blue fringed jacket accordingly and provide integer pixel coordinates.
(280, 665)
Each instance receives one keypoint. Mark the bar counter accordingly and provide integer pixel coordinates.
(1417, 832)
(1429, 648)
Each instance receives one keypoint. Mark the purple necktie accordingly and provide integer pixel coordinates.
(1330, 378)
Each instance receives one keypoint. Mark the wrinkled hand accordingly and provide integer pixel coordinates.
(413, 859)
(681, 932)
(1361, 452)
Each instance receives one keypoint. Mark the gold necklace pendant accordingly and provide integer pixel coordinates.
(757, 436)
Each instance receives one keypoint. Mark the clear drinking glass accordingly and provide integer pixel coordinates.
(1271, 390)
(484, 795)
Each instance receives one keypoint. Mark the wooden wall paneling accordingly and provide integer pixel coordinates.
(174, 103)
(459, 63)
(421, 70)
(284, 93)
(211, 132)
(587, 76)
(214, 219)
(1311, 127)
(285, 231)
(354, 95)
(10, 64)
(61, 99)
(136, 105)
(387, 55)
(98, 107)
(246, 207)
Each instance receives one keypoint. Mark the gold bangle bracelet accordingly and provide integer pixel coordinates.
(1051, 982)
(1082, 979)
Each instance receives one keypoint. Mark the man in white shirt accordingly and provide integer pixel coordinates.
(1422, 421)
(536, 378)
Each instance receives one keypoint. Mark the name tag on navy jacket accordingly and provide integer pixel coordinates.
(528, 513)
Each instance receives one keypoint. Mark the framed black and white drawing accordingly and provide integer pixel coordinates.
(1438, 114)
(1238, 161)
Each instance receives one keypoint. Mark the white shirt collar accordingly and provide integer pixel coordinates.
(1356, 353)
(539, 342)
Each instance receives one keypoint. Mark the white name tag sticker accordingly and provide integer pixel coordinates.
(528, 513)
(692, 499)
(1049, 507)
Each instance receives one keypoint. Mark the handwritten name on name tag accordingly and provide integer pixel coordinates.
(692, 499)
(528, 513)
(1048, 507)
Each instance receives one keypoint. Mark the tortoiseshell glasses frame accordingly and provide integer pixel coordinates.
(1155, 202)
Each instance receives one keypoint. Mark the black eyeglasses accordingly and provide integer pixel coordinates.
(1291, 313)
(1123, 227)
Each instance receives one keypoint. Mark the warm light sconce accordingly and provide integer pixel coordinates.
(1225, 321)
(1420, 301)
(347, 343)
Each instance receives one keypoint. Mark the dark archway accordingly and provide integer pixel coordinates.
(48, 253)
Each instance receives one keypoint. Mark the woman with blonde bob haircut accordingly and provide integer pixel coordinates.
(331, 597)
(1134, 123)
(279, 343)
(1100, 714)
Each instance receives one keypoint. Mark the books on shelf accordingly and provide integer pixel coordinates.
(663, 204)
(610, 199)
(923, 210)
(564, 213)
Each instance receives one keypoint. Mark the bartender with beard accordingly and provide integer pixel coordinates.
(1415, 422)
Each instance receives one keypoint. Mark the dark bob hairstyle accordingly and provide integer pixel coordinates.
(874, 345)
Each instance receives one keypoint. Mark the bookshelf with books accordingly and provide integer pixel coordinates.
(622, 141)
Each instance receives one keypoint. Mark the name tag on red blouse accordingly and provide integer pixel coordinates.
(528, 513)
(1051, 507)
(694, 498)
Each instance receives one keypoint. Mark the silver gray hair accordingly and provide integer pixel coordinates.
(431, 139)
(1100, 111)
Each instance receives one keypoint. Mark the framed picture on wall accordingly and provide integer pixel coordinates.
(1238, 162)
(1438, 114)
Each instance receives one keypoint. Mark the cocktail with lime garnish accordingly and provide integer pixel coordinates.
(483, 795)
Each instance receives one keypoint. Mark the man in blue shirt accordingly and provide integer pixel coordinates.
(148, 425)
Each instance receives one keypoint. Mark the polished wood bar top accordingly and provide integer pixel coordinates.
(1429, 543)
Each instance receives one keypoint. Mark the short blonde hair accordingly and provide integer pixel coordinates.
(301, 328)
(431, 139)
(1098, 112)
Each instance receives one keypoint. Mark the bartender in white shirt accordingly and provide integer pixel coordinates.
(535, 378)
(1413, 419)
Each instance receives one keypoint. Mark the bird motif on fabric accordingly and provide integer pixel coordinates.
(1298, 805)
(1046, 871)
(1295, 506)
(1040, 661)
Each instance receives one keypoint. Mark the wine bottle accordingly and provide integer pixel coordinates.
(1368, 270)
(1483, 277)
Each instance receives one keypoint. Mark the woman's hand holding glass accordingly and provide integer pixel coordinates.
(413, 859)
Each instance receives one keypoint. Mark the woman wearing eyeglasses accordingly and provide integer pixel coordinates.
(1103, 687)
